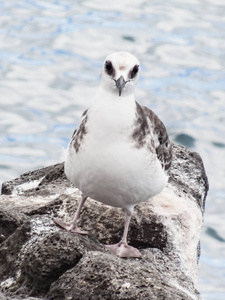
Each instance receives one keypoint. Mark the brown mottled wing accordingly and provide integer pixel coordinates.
(80, 132)
(162, 143)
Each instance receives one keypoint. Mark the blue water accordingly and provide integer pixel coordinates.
(51, 53)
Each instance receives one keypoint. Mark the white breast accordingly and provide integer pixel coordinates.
(108, 167)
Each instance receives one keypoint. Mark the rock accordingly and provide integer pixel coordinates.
(37, 259)
(104, 276)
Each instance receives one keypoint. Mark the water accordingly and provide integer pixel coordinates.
(51, 53)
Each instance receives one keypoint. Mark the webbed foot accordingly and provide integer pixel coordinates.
(69, 226)
(123, 250)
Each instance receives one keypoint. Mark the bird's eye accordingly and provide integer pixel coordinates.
(109, 67)
(134, 71)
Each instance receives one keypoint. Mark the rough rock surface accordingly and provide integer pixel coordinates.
(40, 261)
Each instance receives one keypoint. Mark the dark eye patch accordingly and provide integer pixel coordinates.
(109, 68)
(134, 71)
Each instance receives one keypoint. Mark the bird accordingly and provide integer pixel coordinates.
(120, 153)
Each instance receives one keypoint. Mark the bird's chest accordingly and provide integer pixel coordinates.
(108, 151)
(108, 147)
(109, 136)
(111, 122)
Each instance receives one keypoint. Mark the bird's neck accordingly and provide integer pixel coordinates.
(107, 100)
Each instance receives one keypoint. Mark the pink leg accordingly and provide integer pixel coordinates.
(122, 249)
(72, 226)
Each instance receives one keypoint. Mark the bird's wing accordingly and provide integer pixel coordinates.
(79, 132)
(150, 122)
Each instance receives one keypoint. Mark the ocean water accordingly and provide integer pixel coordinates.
(51, 54)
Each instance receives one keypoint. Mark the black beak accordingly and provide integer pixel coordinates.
(120, 84)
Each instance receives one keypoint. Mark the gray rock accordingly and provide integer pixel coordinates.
(37, 259)
(103, 276)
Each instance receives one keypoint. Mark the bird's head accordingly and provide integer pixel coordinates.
(120, 73)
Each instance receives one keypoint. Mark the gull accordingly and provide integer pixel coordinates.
(120, 154)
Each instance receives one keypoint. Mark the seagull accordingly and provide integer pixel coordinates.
(120, 154)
